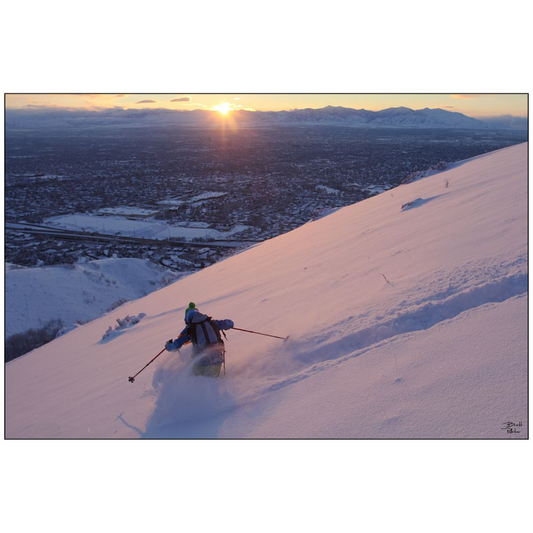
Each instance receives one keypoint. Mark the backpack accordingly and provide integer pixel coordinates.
(204, 332)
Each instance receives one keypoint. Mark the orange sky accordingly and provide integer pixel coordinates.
(475, 105)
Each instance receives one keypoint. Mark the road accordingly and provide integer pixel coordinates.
(70, 235)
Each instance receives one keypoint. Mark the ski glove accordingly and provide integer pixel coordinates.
(168, 345)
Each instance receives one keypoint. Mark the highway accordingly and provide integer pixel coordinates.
(71, 235)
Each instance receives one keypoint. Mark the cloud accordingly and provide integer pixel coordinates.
(467, 96)
(120, 95)
(236, 98)
(146, 102)
(447, 106)
(182, 99)
(43, 105)
(240, 107)
(91, 95)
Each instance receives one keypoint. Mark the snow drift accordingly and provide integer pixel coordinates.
(403, 324)
(79, 292)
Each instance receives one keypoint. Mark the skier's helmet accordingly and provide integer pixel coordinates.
(190, 311)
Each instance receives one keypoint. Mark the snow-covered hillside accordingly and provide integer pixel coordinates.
(392, 117)
(78, 292)
(403, 323)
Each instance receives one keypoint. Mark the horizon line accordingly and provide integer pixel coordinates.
(97, 109)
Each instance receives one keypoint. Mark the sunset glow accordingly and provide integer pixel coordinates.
(473, 105)
(223, 108)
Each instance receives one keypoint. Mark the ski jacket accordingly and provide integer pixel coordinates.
(202, 331)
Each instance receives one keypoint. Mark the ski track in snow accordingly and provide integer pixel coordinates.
(442, 296)
(466, 289)
(182, 399)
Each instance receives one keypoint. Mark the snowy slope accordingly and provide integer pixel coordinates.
(83, 291)
(402, 323)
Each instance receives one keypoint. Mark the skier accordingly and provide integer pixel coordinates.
(205, 334)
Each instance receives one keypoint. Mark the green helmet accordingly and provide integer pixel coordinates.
(192, 306)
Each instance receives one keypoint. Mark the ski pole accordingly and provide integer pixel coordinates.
(265, 334)
(131, 379)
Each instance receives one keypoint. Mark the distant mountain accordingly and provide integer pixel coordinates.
(506, 122)
(392, 117)
(329, 114)
(425, 118)
(395, 117)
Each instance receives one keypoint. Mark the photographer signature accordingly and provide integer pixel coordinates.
(512, 427)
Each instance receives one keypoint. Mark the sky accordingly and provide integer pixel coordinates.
(473, 105)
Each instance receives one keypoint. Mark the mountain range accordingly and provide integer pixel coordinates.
(391, 117)
(395, 117)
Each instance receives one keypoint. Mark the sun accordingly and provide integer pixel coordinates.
(224, 108)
